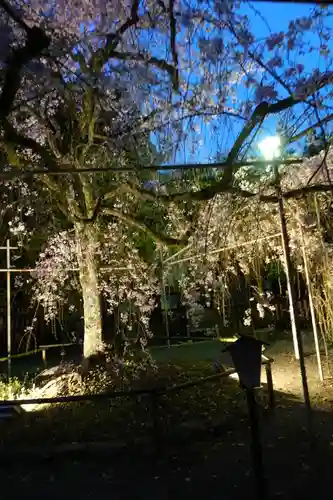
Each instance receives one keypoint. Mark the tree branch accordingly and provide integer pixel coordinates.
(173, 32)
(158, 237)
(259, 114)
(36, 42)
(304, 132)
(206, 194)
(13, 14)
(58, 191)
(261, 111)
(154, 61)
(300, 192)
(257, 118)
(161, 4)
(143, 122)
(14, 137)
(261, 63)
(203, 195)
(113, 39)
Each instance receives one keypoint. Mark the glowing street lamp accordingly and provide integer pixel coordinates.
(271, 149)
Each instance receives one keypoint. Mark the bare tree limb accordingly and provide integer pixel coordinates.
(203, 195)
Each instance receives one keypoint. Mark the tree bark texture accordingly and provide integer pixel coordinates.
(88, 263)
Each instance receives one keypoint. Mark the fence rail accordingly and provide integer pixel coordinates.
(157, 391)
(153, 393)
(184, 340)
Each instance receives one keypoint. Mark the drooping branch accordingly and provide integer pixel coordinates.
(257, 118)
(14, 138)
(142, 123)
(283, 84)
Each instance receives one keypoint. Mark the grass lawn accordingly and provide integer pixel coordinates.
(189, 351)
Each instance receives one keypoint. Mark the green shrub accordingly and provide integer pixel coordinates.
(12, 388)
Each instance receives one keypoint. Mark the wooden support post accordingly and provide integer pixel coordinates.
(8, 270)
(156, 437)
(298, 341)
(270, 388)
(256, 448)
(165, 311)
(292, 302)
(311, 305)
(9, 318)
(44, 358)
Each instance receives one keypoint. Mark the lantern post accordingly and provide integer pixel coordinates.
(246, 355)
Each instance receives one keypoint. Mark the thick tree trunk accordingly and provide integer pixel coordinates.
(87, 244)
